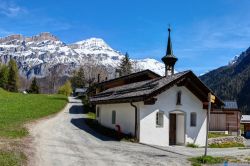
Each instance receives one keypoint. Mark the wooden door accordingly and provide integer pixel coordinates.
(172, 129)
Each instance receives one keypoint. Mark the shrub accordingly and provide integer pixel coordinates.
(91, 115)
(65, 89)
(192, 145)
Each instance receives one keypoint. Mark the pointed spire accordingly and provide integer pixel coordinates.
(169, 47)
(169, 59)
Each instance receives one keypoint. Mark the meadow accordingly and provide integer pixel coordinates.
(16, 110)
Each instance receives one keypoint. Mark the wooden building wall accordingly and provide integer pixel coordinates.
(225, 121)
(217, 122)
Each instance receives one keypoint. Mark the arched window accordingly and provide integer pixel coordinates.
(159, 118)
(113, 117)
(178, 98)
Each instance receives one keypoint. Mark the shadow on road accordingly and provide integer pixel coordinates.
(76, 109)
(80, 123)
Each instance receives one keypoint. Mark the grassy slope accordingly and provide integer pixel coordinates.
(17, 109)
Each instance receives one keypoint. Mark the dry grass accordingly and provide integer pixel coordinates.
(226, 145)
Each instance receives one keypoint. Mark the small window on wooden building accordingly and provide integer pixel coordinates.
(159, 119)
(113, 117)
(98, 112)
(178, 98)
(193, 119)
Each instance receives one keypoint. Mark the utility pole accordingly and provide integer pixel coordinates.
(211, 99)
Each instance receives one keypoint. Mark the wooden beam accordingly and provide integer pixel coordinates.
(150, 101)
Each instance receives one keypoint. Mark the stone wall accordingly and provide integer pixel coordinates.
(220, 140)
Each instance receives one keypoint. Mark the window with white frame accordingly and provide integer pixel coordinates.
(178, 98)
(193, 119)
(113, 117)
(159, 119)
(98, 112)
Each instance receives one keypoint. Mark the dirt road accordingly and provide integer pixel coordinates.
(65, 140)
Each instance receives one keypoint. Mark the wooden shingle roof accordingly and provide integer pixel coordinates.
(141, 91)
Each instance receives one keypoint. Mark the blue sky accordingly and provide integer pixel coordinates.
(205, 35)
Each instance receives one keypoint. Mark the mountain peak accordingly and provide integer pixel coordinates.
(37, 55)
(11, 38)
(94, 44)
(92, 40)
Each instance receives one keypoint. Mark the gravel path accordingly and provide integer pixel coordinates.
(65, 140)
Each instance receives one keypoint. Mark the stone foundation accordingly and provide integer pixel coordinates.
(220, 140)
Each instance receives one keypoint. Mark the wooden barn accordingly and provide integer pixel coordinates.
(226, 119)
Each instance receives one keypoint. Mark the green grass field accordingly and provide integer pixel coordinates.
(16, 109)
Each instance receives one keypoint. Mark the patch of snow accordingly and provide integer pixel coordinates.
(45, 51)
(233, 60)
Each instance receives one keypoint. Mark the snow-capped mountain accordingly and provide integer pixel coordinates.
(233, 60)
(37, 55)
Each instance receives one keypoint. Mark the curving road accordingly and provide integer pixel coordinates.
(65, 140)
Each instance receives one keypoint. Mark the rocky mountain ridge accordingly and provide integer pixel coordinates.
(42, 36)
(38, 54)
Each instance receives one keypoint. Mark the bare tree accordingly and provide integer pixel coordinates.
(55, 73)
(24, 83)
(92, 70)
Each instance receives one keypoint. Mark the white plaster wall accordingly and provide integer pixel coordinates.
(125, 116)
(149, 132)
(166, 101)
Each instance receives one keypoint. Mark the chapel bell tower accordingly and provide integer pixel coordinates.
(169, 59)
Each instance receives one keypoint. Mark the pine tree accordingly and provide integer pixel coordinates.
(78, 79)
(34, 88)
(125, 66)
(4, 71)
(13, 76)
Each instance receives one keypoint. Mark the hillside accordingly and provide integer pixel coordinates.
(232, 82)
(39, 54)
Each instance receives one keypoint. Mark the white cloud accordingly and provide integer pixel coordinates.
(11, 9)
(221, 33)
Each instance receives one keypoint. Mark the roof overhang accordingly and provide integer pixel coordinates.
(189, 80)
